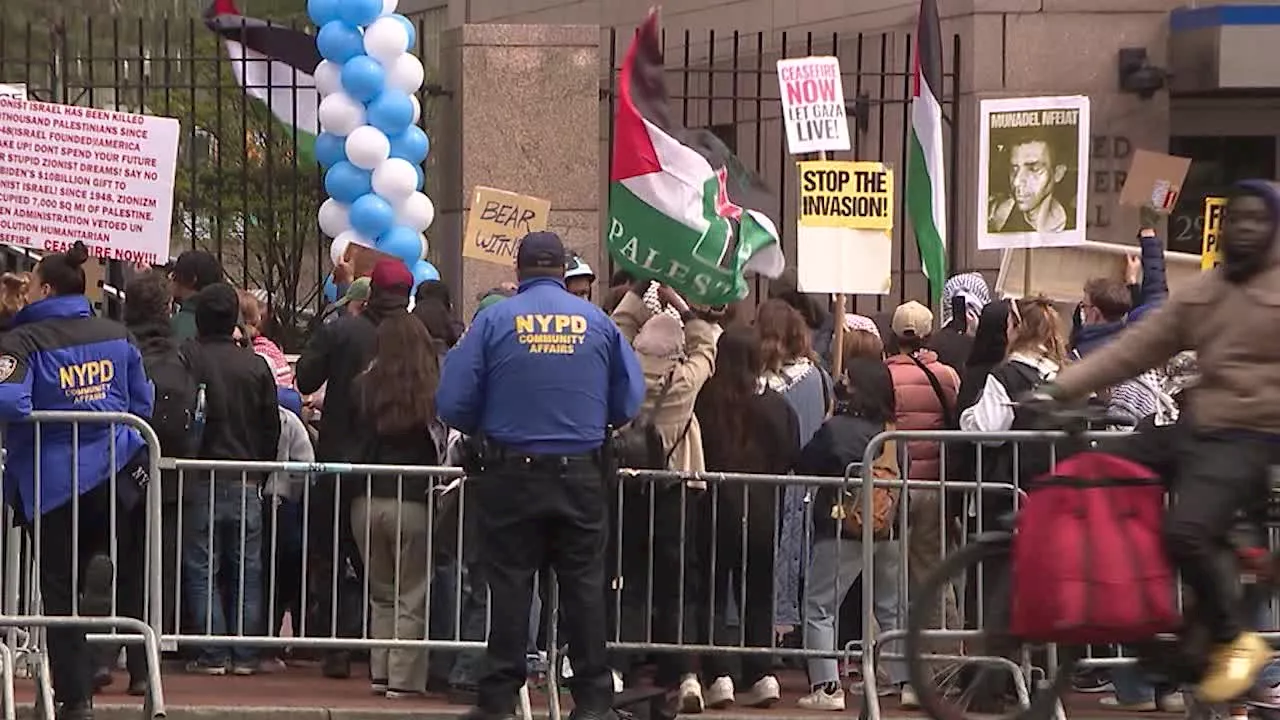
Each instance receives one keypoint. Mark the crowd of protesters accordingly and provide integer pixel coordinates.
(748, 390)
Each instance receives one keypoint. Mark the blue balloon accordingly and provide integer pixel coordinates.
(411, 145)
(339, 42)
(360, 12)
(371, 215)
(322, 11)
(391, 112)
(422, 177)
(346, 183)
(423, 271)
(409, 26)
(330, 289)
(363, 77)
(401, 242)
(330, 149)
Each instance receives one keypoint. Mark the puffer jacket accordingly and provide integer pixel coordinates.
(919, 408)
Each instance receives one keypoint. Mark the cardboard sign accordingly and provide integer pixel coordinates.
(812, 92)
(362, 259)
(498, 220)
(72, 173)
(1154, 179)
(844, 234)
(1213, 207)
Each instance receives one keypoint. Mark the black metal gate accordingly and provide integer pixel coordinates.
(726, 82)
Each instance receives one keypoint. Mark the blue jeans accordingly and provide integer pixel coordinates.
(222, 552)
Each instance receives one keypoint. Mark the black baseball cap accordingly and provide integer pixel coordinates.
(542, 249)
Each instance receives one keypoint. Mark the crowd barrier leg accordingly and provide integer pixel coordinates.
(550, 616)
(6, 674)
(45, 708)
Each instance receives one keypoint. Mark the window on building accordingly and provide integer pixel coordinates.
(1216, 163)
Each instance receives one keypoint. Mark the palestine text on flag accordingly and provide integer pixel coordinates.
(275, 65)
(926, 185)
(682, 209)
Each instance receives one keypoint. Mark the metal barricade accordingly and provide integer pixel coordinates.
(26, 617)
(938, 529)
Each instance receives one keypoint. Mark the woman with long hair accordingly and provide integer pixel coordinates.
(866, 406)
(13, 296)
(397, 425)
(748, 428)
(792, 370)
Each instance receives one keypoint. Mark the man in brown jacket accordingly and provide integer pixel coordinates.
(1228, 315)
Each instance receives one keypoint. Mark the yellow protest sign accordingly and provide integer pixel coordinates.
(846, 194)
(498, 220)
(1213, 207)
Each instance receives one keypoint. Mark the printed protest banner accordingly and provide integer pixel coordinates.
(812, 91)
(1213, 207)
(1033, 170)
(72, 173)
(13, 91)
(498, 220)
(844, 235)
(1154, 179)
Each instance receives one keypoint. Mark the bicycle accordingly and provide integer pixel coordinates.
(986, 558)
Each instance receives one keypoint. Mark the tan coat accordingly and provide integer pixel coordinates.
(1235, 331)
(691, 373)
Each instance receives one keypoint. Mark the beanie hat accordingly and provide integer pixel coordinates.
(217, 311)
(662, 336)
(489, 301)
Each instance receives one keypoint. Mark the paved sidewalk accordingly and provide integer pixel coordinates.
(301, 693)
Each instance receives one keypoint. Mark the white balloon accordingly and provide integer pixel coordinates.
(417, 211)
(367, 147)
(417, 109)
(395, 180)
(340, 114)
(405, 73)
(426, 248)
(389, 6)
(338, 249)
(386, 39)
(351, 237)
(328, 77)
(334, 218)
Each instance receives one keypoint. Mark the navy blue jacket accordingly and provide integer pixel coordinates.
(543, 372)
(1154, 289)
(59, 357)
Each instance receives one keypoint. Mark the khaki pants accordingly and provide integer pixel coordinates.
(393, 534)
(925, 547)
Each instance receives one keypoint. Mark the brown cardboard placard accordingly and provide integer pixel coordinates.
(1154, 179)
(363, 258)
(498, 220)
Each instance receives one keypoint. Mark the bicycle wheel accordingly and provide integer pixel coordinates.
(954, 684)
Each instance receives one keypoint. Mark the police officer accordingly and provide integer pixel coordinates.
(59, 357)
(538, 378)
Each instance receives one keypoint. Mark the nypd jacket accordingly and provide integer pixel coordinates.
(59, 357)
(543, 372)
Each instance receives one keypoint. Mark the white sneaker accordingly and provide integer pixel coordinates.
(764, 693)
(820, 699)
(720, 695)
(1171, 703)
(907, 699)
(617, 681)
(690, 697)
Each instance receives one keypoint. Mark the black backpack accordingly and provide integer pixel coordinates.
(175, 402)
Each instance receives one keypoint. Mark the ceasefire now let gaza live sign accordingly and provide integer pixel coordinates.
(845, 227)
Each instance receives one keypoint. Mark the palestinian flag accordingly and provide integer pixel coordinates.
(276, 66)
(682, 208)
(926, 185)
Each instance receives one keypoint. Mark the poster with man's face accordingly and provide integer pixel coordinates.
(1032, 172)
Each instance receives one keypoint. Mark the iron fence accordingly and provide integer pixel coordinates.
(726, 82)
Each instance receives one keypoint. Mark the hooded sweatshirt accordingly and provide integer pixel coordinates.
(1227, 324)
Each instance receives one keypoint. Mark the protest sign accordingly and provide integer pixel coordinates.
(498, 220)
(13, 91)
(1213, 207)
(102, 177)
(1154, 179)
(844, 238)
(813, 109)
(1033, 170)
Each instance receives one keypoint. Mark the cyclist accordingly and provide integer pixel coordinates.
(1227, 315)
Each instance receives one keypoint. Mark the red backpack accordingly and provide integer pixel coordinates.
(1088, 558)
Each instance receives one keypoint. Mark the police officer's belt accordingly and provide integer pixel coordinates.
(512, 459)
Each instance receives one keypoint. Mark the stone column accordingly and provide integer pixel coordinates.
(524, 116)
